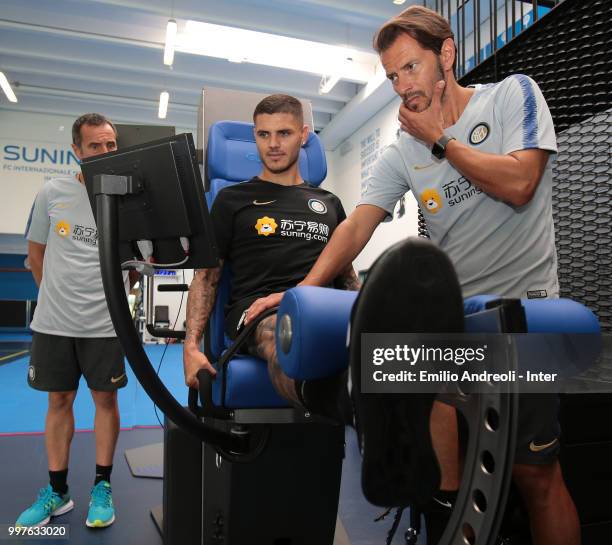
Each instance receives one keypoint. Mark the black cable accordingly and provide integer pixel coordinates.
(168, 341)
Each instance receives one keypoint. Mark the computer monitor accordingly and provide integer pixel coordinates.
(168, 204)
(133, 135)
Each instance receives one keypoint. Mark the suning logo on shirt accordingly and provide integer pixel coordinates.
(308, 230)
(431, 200)
(87, 235)
(266, 226)
(62, 228)
(457, 191)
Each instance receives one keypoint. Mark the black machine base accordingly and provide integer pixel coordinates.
(286, 495)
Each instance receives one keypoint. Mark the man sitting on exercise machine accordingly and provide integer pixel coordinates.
(269, 231)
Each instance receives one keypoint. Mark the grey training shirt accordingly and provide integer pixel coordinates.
(71, 299)
(496, 248)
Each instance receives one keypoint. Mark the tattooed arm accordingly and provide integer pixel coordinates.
(200, 302)
(347, 280)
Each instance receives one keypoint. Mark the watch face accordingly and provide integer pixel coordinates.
(437, 151)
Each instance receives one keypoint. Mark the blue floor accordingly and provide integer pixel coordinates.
(24, 465)
(135, 406)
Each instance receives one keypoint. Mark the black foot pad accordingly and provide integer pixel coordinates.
(411, 288)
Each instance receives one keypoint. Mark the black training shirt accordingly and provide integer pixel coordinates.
(271, 235)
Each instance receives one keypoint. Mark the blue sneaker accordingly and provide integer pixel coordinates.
(48, 504)
(101, 510)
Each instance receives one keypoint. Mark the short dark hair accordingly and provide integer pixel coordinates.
(280, 104)
(426, 26)
(89, 119)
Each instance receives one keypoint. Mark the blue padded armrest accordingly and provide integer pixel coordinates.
(319, 324)
(564, 335)
(248, 385)
(546, 315)
(320, 317)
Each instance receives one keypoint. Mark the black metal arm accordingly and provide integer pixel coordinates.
(205, 380)
(106, 207)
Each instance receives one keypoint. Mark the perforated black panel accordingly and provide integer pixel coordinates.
(582, 209)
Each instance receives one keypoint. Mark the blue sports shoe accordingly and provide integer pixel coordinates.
(101, 510)
(48, 504)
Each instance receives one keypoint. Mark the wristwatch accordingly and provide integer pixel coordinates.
(438, 150)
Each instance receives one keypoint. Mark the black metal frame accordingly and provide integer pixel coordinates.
(107, 189)
(492, 419)
(446, 7)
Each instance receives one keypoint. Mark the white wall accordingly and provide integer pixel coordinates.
(33, 148)
(347, 172)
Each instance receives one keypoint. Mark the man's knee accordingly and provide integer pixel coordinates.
(61, 401)
(104, 400)
(538, 483)
(264, 339)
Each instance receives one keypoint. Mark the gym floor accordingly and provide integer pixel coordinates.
(24, 462)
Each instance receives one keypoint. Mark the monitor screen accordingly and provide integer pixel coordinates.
(168, 205)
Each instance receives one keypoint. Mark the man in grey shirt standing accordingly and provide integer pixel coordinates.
(73, 332)
(478, 161)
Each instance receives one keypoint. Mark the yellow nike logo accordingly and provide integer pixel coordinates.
(257, 203)
(115, 380)
(422, 167)
(537, 448)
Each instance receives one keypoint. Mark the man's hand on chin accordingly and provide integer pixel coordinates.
(427, 125)
(262, 304)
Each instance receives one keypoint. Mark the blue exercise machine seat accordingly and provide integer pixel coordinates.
(232, 158)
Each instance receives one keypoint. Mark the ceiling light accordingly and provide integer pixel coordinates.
(163, 104)
(399, 2)
(231, 44)
(6, 87)
(170, 42)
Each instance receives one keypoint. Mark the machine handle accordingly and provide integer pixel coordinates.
(165, 332)
(173, 287)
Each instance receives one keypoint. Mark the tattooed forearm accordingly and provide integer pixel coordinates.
(200, 302)
(347, 280)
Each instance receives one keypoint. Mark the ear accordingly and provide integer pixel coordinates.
(77, 151)
(305, 131)
(447, 54)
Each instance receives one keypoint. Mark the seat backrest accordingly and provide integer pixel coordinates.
(232, 157)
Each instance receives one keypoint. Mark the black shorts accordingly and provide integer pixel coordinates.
(538, 432)
(57, 363)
